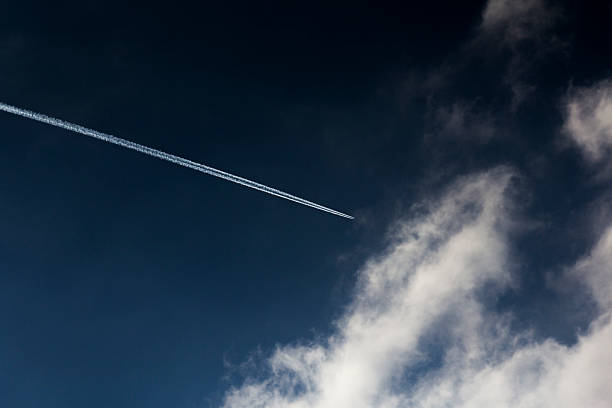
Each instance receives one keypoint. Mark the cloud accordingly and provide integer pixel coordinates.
(462, 121)
(420, 331)
(517, 20)
(588, 122)
(513, 41)
(525, 27)
(533, 374)
(595, 271)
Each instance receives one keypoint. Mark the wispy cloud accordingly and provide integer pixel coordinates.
(518, 20)
(588, 123)
(463, 121)
(419, 332)
(517, 36)
(526, 29)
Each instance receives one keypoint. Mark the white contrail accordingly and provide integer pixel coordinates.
(164, 156)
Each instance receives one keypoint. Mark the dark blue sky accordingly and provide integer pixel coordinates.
(130, 282)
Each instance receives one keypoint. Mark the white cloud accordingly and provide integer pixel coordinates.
(588, 121)
(595, 271)
(427, 292)
(536, 374)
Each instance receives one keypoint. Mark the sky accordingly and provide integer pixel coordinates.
(471, 141)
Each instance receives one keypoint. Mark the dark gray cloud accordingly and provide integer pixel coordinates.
(519, 20)
(526, 29)
(462, 121)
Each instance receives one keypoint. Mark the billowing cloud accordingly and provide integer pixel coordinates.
(420, 331)
(588, 121)
(427, 276)
(595, 271)
(528, 373)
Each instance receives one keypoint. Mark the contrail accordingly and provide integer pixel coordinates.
(164, 156)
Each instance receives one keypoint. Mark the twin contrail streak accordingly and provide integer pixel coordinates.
(164, 156)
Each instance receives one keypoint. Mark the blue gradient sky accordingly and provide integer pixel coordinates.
(130, 282)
